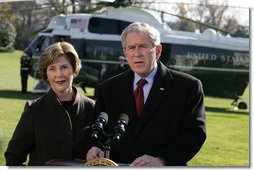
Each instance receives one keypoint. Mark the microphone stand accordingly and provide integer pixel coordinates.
(106, 148)
(105, 144)
(107, 138)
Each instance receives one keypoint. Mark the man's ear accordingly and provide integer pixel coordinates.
(158, 51)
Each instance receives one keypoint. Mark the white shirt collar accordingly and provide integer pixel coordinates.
(149, 78)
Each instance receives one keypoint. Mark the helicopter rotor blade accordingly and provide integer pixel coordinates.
(124, 3)
(188, 19)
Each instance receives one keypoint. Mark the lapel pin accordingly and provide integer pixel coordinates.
(162, 89)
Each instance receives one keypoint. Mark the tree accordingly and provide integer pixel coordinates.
(7, 36)
(7, 30)
(184, 25)
(231, 25)
(241, 32)
(207, 13)
(28, 19)
(86, 6)
(5, 9)
(58, 7)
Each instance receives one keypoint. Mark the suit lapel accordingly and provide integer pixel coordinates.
(124, 94)
(160, 89)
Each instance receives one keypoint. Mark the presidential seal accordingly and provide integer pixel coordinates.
(101, 162)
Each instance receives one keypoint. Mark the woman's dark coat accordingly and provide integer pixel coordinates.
(45, 131)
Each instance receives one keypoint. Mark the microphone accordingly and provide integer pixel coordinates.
(98, 126)
(119, 129)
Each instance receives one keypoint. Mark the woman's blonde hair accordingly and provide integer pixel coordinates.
(56, 50)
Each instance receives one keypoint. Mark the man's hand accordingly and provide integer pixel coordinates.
(94, 153)
(147, 160)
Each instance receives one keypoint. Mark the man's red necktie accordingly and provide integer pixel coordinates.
(139, 96)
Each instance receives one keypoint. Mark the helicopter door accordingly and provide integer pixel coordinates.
(166, 54)
(42, 44)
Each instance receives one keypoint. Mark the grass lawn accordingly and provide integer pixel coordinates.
(228, 131)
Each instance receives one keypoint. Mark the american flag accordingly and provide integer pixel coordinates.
(78, 23)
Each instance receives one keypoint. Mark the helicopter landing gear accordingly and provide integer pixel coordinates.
(239, 105)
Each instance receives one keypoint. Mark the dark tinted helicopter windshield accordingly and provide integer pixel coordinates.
(106, 26)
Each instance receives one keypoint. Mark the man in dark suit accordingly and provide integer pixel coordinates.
(104, 73)
(171, 128)
(25, 69)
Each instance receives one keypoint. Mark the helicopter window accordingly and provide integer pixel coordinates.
(106, 26)
(95, 22)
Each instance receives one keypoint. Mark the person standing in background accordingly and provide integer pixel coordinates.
(104, 74)
(25, 69)
(121, 66)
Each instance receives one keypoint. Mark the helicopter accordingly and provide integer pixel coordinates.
(220, 62)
